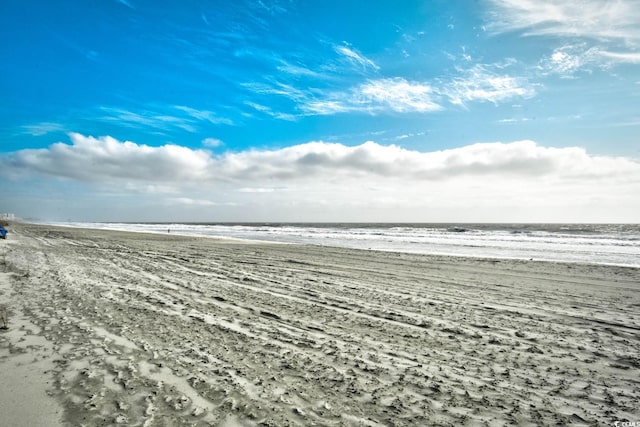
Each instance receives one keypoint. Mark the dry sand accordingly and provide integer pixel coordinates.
(110, 328)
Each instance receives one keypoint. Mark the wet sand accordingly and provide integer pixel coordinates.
(109, 328)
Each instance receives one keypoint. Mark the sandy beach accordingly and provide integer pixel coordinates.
(114, 328)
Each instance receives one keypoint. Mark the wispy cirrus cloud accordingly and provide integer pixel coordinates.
(593, 33)
(276, 87)
(270, 112)
(399, 95)
(145, 119)
(621, 57)
(166, 119)
(298, 70)
(375, 96)
(594, 19)
(272, 7)
(356, 58)
(568, 60)
(204, 115)
(324, 107)
(481, 83)
(126, 3)
(311, 95)
(43, 128)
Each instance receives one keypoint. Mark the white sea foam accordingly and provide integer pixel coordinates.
(616, 244)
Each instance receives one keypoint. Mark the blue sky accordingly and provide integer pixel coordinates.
(491, 110)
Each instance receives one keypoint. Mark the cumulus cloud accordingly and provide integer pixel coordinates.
(98, 159)
(324, 160)
(90, 159)
(303, 182)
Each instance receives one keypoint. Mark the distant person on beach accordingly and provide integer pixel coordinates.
(3, 232)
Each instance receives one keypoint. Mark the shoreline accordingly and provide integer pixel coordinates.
(154, 329)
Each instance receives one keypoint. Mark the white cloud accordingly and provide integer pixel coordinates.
(338, 181)
(191, 202)
(297, 70)
(277, 88)
(480, 83)
(376, 96)
(408, 135)
(147, 188)
(163, 120)
(399, 95)
(43, 128)
(256, 190)
(204, 115)
(126, 3)
(327, 107)
(212, 142)
(105, 158)
(621, 57)
(356, 58)
(484, 83)
(146, 119)
(514, 120)
(567, 60)
(594, 33)
(595, 19)
(268, 111)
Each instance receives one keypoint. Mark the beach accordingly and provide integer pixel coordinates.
(121, 328)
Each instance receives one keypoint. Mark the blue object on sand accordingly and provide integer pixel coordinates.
(3, 232)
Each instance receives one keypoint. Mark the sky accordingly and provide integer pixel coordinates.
(309, 110)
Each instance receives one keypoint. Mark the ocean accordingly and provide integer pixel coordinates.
(612, 244)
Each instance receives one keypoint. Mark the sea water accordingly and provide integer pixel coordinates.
(615, 244)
